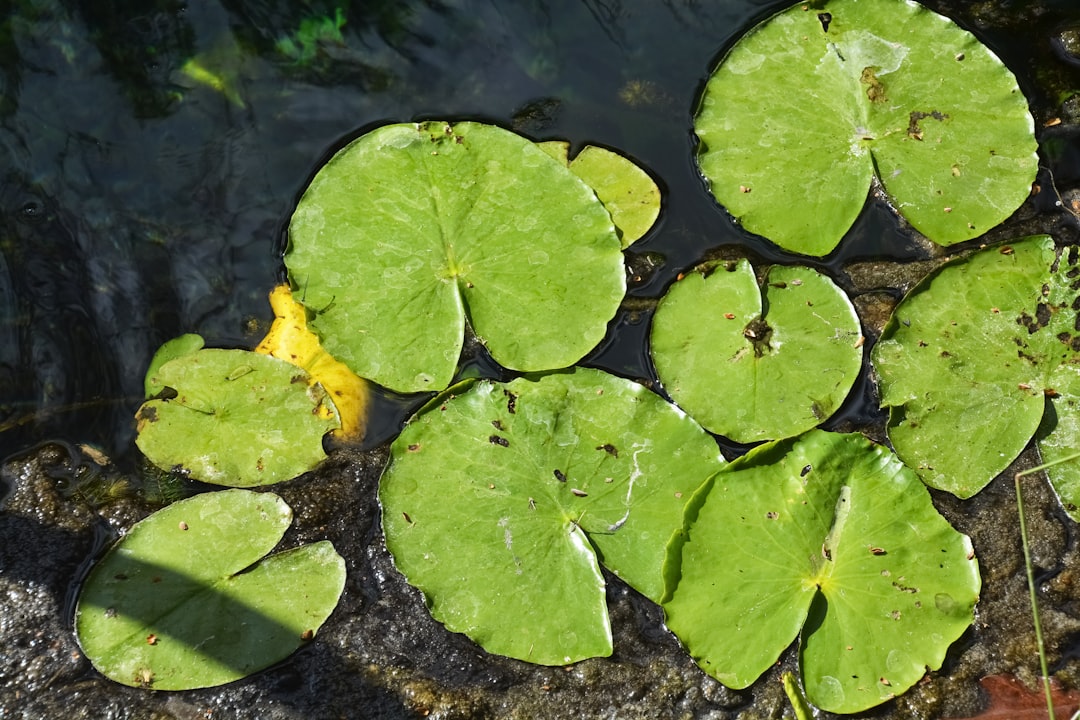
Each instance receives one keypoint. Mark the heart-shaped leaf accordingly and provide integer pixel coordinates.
(832, 535)
(806, 108)
(756, 363)
(501, 501)
(411, 228)
(167, 608)
(974, 352)
(233, 417)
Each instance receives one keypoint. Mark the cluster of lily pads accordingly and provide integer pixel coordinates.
(503, 502)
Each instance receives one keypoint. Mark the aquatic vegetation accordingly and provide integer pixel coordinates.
(413, 229)
(986, 348)
(625, 190)
(186, 599)
(302, 46)
(817, 101)
(505, 502)
(756, 362)
(501, 501)
(830, 538)
(232, 417)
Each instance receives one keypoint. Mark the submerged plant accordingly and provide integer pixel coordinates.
(302, 46)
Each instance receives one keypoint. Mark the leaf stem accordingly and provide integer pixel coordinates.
(796, 698)
(1031, 586)
(1044, 466)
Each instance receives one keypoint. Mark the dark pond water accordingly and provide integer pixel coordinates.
(153, 151)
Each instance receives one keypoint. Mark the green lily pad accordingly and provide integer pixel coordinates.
(757, 363)
(974, 352)
(808, 106)
(627, 191)
(172, 349)
(832, 536)
(168, 609)
(412, 228)
(501, 502)
(233, 417)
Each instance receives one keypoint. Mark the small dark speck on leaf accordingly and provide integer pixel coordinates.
(772, 515)
(824, 18)
(511, 402)
(609, 449)
(407, 518)
(497, 424)
(805, 471)
(559, 476)
(497, 440)
(414, 447)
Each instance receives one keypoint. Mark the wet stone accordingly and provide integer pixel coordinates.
(1067, 42)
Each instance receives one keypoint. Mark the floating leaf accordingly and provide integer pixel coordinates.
(290, 340)
(233, 417)
(501, 501)
(627, 191)
(168, 609)
(170, 350)
(832, 535)
(973, 352)
(413, 227)
(756, 363)
(806, 108)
